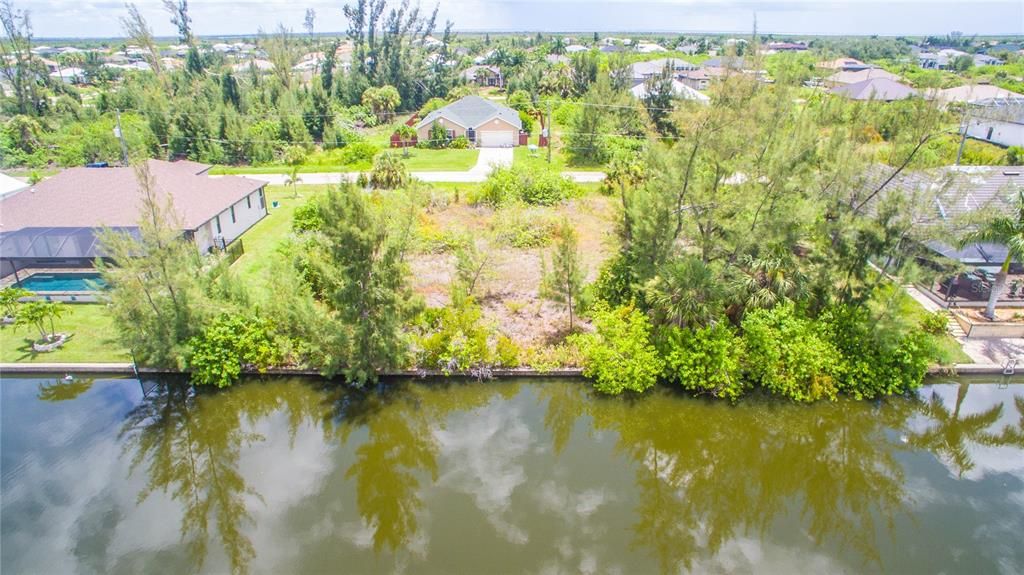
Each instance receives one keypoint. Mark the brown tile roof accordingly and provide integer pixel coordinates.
(94, 197)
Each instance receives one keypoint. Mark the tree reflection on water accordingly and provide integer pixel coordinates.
(707, 473)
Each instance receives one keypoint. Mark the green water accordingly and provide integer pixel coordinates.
(295, 476)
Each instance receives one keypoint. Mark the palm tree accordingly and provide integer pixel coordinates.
(558, 46)
(1008, 231)
(951, 433)
(292, 180)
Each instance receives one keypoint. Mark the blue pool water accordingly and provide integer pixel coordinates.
(61, 282)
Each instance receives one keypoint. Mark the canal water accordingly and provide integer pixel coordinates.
(538, 476)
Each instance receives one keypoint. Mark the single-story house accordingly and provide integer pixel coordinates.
(697, 79)
(262, 66)
(484, 76)
(843, 78)
(986, 60)
(55, 223)
(975, 93)
(574, 48)
(641, 71)
(728, 62)
(999, 122)
(882, 89)
(649, 48)
(69, 75)
(9, 185)
(679, 90)
(484, 122)
(844, 64)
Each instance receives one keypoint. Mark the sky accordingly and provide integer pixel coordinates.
(99, 18)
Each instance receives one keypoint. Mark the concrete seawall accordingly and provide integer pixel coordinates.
(127, 369)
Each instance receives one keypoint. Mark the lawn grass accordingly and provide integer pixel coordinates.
(261, 240)
(284, 169)
(522, 156)
(93, 340)
(947, 349)
(421, 160)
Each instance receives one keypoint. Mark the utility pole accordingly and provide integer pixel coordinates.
(550, 132)
(120, 136)
(963, 136)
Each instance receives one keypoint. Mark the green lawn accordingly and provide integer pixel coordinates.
(284, 169)
(92, 342)
(521, 155)
(947, 349)
(261, 240)
(421, 160)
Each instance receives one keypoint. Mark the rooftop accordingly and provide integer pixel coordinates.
(471, 111)
(96, 197)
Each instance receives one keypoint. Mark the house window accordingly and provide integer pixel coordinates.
(471, 135)
(450, 134)
(263, 204)
(989, 136)
(248, 202)
(216, 220)
(232, 214)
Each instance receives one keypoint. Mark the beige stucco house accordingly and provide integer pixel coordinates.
(484, 122)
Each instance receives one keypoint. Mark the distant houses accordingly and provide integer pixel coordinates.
(852, 77)
(679, 90)
(482, 75)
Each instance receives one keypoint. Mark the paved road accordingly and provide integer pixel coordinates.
(488, 159)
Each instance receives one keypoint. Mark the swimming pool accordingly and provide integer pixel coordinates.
(47, 282)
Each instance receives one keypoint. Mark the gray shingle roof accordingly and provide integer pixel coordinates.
(875, 89)
(471, 112)
(654, 67)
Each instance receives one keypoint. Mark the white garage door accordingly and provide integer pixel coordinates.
(495, 139)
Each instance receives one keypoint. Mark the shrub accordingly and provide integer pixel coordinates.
(523, 229)
(507, 352)
(875, 362)
(619, 356)
(935, 323)
(308, 217)
(528, 185)
(437, 137)
(787, 355)
(706, 360)
(432, 240)
(460, 143)
(388, 172)
(216, 356)
(454, 337)
(358, 152)
(551, 357)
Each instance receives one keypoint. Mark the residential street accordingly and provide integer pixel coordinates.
(488, 159)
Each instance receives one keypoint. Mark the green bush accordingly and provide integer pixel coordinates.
(528, 185)
(935, 323)
(460, 143)
(453, 338)
(706, 360)
(358, 152)
(523, 229)
(216, 356)
(619, 356)
(433, 240)
(875, 362)
(308, 217)
(507, 352)
(787, 356)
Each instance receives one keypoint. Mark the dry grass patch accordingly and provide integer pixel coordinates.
(508, 293)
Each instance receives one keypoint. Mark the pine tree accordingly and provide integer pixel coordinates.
(563, 281)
